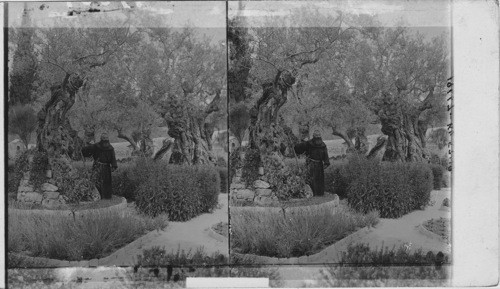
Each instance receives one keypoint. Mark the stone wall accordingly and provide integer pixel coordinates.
(48, 195)
(69, 213)
(260, 194)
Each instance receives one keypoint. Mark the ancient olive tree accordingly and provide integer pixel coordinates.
(282, 55)
(403, 77)
(187, 83)
(67, 58)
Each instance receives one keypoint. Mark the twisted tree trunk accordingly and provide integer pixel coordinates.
(55, 136)
(193, 133)
(405, 131)
(265, 133)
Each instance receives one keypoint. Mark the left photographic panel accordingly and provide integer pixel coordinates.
(117, 138)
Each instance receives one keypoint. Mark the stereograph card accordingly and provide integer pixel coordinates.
(259, 144)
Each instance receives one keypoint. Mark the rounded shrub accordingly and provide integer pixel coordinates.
(168, 190)
(437, 173)
(393, 189)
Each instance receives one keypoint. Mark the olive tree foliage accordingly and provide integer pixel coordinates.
(283, 55)
(403, 78)
(67, 58)
(186, 81)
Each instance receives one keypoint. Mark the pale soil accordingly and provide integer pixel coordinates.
(188, 235)
(387, 233)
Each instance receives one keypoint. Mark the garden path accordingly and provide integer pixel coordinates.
(187, 236)
(387, 233)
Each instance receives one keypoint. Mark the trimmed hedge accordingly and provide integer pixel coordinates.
(437, 173)
(130, 175)
(169, 190)
(393, 189)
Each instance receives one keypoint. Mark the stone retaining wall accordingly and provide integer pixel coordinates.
(69, 213)
(294, 210)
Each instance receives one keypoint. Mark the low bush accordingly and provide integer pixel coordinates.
(129, 176)
(294, 235)
(335, 181)
(437, 174)
(390, 268)
(223, 179)
(168, 190)
(158, 257)
(287, 177)
(393, 189)
(201, 264)
(88, 237)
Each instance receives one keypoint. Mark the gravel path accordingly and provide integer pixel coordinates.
(184, 235)
(388, 232)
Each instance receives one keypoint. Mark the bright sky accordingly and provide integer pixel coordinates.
(200, 14)
(416, 13)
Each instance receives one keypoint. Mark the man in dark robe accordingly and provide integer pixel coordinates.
(317, 160)
(104, 163)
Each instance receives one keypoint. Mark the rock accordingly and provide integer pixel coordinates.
(95, 195)
(308, 191)
(237, 186)
(32, 197)
(51, 195)
(336, 200)
(446, 202)
(245, 194)
(24, 183)
(51, 204)
(259, 184)
(27, 188)
(236, 179)
(263, 201)
(263, 192)
(46, 187)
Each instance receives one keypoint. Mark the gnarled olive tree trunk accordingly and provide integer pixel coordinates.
(192, 133)
(265, 132)
(405, 130)
(55, 137)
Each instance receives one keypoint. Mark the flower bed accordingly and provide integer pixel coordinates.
(84, 235)
(440, 227)
(292, 234)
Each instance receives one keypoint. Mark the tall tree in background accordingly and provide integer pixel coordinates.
(23, 74)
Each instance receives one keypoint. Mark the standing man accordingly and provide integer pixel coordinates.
(317, 160)
(104, 163)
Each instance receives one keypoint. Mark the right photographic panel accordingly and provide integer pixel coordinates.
(340, 140)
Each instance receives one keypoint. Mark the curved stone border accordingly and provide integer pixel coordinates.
(334, 251)
(216, 235)
(328, 205)
(79, 213)
(421, 228)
